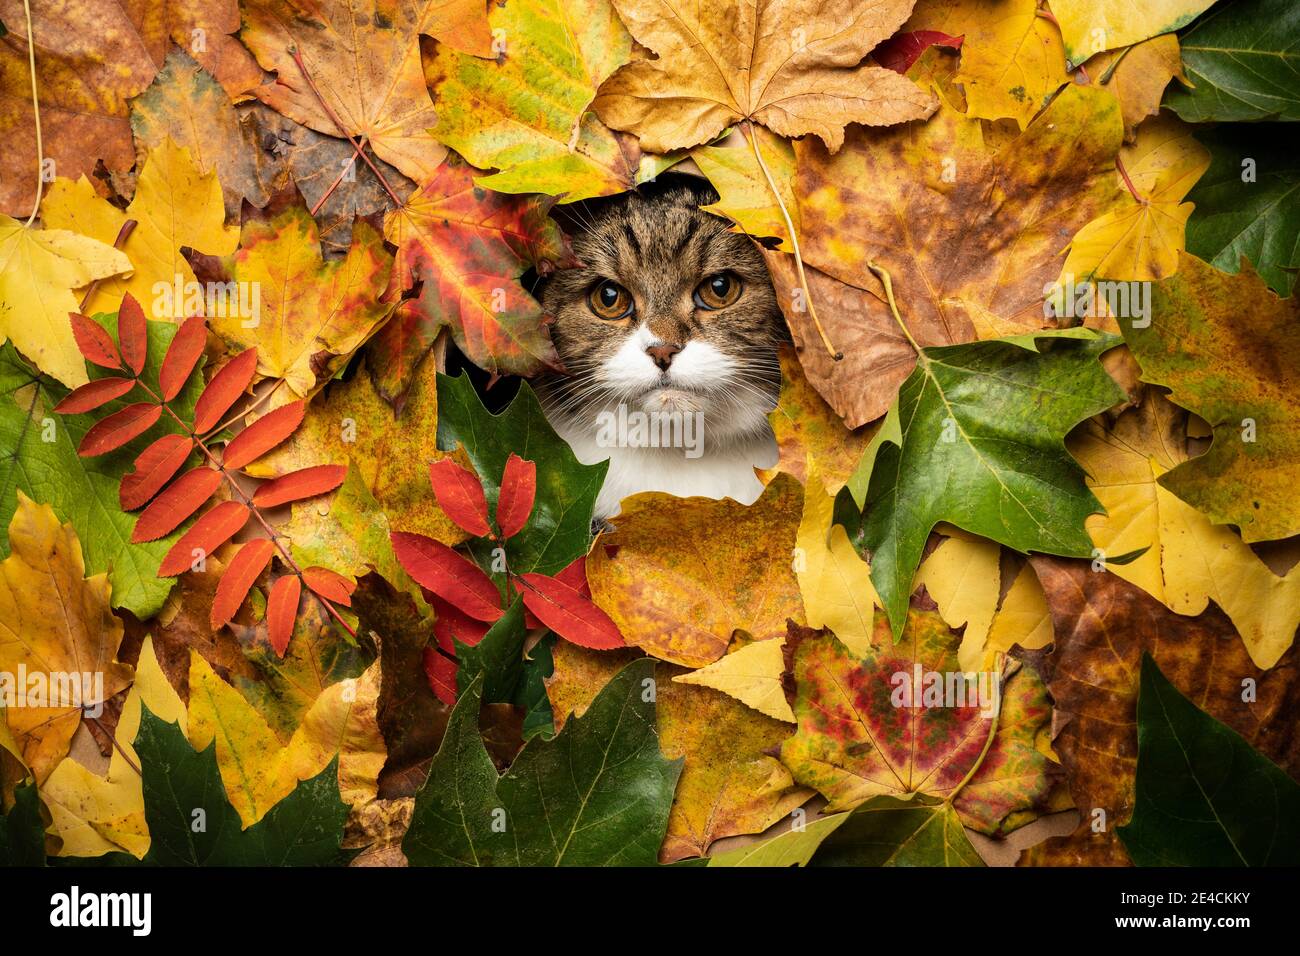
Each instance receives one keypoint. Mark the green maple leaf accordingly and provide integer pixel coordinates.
(40, 458)
(1241, 61)
(22, 831)
(976, 438)
(559, 528)
(191, 821)
(1259, 219)
(598, 794)
(1205, 797)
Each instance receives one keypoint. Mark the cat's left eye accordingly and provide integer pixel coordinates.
(717, 291)
(609, 300)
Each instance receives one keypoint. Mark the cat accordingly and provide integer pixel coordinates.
(669, 334)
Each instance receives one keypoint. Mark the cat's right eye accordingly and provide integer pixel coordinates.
(609, 300)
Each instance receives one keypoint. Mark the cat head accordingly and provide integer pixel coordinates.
(670, 311)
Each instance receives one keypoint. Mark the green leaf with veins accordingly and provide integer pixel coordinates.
(976, 438)
(1205, 797)
(1259, 219)
(303, 829)
(1241, 59)
(559, 528)
(598, 794)
(84, 491)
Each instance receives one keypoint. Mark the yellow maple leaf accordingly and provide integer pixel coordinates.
(58, 636)
(175, 205)
(1141, 240)
(96, 814)
(795, 66)
(1012, 60)
(257, 770)
(39, 268)
(962, 576)
(833, 579)
(311, 314)
(1189, 561)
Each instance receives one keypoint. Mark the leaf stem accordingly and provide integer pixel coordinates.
(297, 58)
(1119, 164)
(882, 274)
(36, 111)
(123, 234)
(262, 400)
(835, 353)
(248, 502)
(1005, 669)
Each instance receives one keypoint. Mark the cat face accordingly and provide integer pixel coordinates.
(670, 312)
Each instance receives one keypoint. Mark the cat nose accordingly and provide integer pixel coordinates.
(662, 355)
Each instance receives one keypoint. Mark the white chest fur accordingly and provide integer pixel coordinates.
(718, 472)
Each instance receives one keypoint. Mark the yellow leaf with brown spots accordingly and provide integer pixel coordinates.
(730, 783)
(795, 66)
(1012, 60)
(96, 814)
(915, 201)
(1141, 238)
(175, 205)
(58, 636)
(680, 575)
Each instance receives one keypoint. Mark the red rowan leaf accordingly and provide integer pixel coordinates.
(210, 532)
(460, 496)
(281, 610)
(132, 333)
(182, 355)
(440, 671)
(518, 490)
(899, 52)
(224, 389)
(153, 469)
(575, 576)
(244, 569)
(569, 614)
(454, 625)
(451, 576)
(94, 394)
(264, 434)
(304, 483)
(118, 429)
(330, 585)
(94, 342)
(186, 496)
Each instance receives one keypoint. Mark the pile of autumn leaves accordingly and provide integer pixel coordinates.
(389, 630)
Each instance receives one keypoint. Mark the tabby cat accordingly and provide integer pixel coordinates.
(669, 333)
